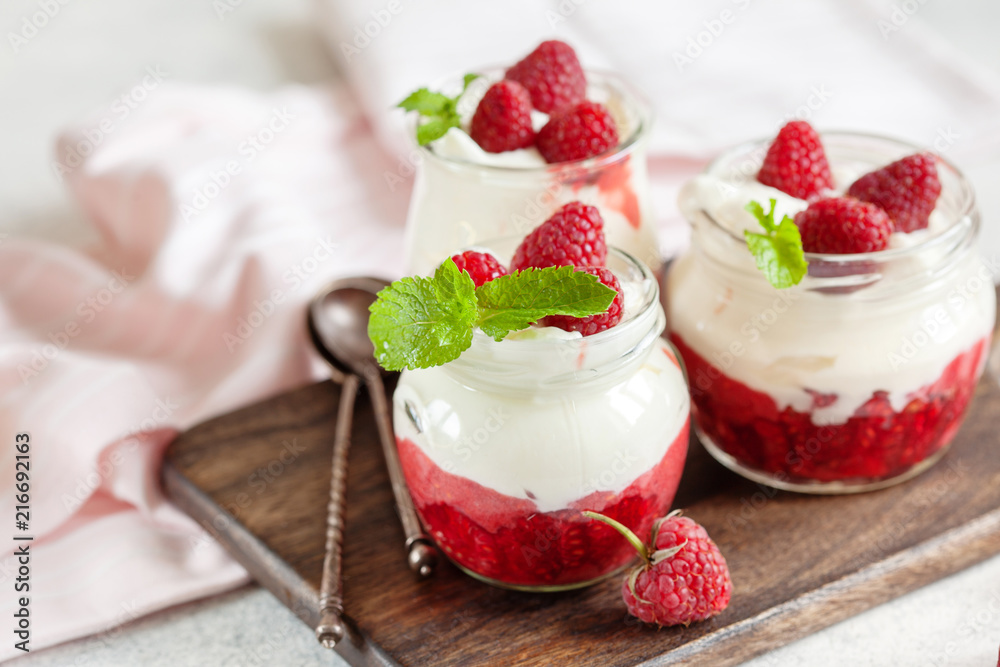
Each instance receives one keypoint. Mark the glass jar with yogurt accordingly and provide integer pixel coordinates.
(504, 447)
(463, 195)
(854, 379)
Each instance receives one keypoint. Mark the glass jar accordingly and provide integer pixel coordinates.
(504, 447)
(459, 202)
(858, 377)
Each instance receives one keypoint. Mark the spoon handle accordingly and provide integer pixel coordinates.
(331, 629)
(421, 554)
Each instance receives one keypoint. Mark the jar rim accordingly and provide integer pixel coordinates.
(635, 98)
(603, 351)
(964, 224)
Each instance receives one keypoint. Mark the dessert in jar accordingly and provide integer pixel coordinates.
(504, 447)
(515, 144)
(858, 376)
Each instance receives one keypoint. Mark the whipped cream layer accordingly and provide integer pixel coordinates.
(463, 195)
(795, 343)
(545, 427)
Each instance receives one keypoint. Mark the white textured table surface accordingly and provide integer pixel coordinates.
(90, 51)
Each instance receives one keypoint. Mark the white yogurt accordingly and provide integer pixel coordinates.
(463, 195)
(551, 416)
(788, 343)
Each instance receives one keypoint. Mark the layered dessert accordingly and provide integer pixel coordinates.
(504, 447)
(859, 375)
(503, 149)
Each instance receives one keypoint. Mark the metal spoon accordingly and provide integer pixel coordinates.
(338, 325)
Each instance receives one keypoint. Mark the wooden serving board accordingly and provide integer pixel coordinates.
(258, 480)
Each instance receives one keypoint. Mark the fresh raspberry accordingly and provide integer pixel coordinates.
(502, 121)
(553, 76)
(573, 236)
(482, 266)
(843, 226)
(592, 324)
(583, 131)
(796, 163)
(683, 577)
(907, 190)
(877, 442)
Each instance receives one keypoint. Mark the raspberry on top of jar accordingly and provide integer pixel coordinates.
(834, 338)
(541, 388)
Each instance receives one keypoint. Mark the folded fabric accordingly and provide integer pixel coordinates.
(220, 213)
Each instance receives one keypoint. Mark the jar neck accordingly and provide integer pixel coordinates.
(878, 275)
(627, 105)
(556, 361)
(921, 260)
(559, 365)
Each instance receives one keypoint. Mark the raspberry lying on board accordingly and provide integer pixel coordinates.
(502, 121)
(588, 326)
(584, 130)
(573, 236)
(683, 576)
(843, 225)
(796, 162)
(552, 75)
(907, 190)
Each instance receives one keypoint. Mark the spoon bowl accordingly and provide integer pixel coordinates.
(338, 324)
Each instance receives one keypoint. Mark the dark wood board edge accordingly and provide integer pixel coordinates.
(879, 582)
(876, 584)
(269, 570)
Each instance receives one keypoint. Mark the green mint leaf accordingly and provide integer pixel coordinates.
(440, 110)
(514, 302)
(426, 103)
(435, 129)
(466, 80)
(778, 252)
(423, 322)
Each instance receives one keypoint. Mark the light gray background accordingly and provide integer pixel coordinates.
(93, 50)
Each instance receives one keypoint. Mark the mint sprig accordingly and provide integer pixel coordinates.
(778, 252)
(440, 111)
(422, 322)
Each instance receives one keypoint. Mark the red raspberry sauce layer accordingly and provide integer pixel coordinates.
(874, 444)
(508, 540)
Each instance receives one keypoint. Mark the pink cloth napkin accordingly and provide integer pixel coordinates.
(219, 213)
